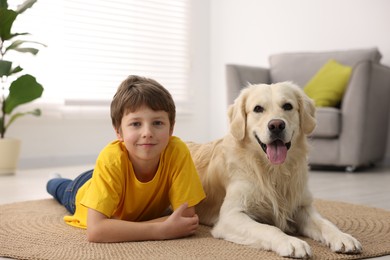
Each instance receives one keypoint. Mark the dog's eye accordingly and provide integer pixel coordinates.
(258, 109)
(287, 107)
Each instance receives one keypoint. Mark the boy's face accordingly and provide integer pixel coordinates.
(145, 134)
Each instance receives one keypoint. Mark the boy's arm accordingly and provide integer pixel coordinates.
(183, 222)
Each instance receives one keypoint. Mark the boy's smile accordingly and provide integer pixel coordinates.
(147, 146)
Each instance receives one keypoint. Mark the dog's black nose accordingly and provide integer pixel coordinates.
(276, 126)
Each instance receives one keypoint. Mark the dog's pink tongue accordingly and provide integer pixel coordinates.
(276, 152)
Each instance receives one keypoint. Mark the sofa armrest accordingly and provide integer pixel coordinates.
(378, 112)
(365, 114)
(239, 76)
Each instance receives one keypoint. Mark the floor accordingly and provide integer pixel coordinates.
(369, 187)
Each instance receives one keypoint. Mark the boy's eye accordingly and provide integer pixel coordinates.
(158, 123)
(135, 124)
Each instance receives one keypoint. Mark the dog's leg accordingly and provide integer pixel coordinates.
(312, 224)
(236, 226)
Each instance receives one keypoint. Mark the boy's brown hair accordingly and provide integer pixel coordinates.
(136, 91)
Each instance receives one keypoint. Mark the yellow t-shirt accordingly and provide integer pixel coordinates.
(114, 190)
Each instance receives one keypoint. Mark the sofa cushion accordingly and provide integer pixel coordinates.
(328, 123)
(300, 67)
(328, 85)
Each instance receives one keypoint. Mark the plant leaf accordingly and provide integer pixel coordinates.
(33, 51)
(35, 112)
(5, 68)
(12, 35)
(7, 19)
(3, 4)
(27, 4)
(23, 90)
(15, 70)
(15, 45)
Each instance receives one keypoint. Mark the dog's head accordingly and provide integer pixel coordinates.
(274, 116)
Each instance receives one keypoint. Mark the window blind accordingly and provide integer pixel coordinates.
(94, 45)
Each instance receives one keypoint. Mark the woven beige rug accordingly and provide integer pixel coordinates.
(35, 230)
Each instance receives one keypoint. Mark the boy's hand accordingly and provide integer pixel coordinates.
(183, 222)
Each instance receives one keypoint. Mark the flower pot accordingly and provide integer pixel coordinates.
(9, 155)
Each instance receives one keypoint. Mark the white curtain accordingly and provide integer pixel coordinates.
(94, 45)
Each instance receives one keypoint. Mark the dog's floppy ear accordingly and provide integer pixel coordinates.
(237, 116)
(307, 113)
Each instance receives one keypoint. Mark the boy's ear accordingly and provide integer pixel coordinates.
(171, 130)
(118, 134)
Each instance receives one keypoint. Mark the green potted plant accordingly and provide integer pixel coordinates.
(16, 88)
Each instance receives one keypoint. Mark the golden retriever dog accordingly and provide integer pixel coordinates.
(256, 176)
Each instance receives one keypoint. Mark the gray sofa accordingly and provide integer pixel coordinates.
(351, 135)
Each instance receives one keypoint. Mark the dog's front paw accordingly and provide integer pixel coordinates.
(293, 247)
(344, 243)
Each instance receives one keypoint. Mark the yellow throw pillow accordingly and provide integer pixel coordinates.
(328, 85)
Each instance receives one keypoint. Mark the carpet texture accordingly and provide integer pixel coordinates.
(35, 230)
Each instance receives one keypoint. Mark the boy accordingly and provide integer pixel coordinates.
(137, 177)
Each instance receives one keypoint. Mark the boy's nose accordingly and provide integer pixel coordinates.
(147, 131)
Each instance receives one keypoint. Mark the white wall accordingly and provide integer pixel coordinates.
(76, 135)
(248, 31)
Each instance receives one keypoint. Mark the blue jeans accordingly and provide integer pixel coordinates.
(65, 190)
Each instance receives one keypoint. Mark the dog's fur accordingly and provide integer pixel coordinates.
(255, 177)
